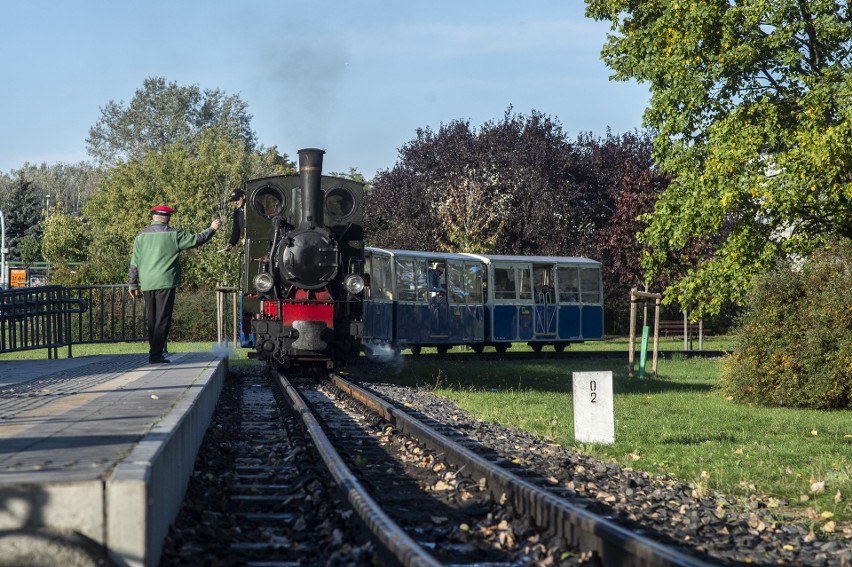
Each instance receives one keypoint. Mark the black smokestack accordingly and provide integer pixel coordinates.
(310, 173)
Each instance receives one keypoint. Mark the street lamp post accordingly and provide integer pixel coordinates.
(4, 277)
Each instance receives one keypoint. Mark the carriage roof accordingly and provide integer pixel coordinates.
(420, 254)
(489, 258)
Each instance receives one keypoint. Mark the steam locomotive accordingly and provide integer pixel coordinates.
(312, 294)
(302, 274)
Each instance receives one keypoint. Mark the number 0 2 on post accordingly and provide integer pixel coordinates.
(594, 421)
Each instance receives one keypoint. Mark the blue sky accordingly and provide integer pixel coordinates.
(356, 78)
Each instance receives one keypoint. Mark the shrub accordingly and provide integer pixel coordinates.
(194, 317)
(794, 342)
(112, 315)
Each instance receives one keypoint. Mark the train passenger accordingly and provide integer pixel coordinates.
(238, 219)
(436, 279)
(155, 273)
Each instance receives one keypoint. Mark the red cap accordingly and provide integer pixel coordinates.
(162, 210)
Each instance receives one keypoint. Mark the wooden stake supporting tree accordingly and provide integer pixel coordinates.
(644, 297)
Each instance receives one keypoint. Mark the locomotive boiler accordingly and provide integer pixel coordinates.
(302, 275)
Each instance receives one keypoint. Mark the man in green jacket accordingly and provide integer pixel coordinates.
(155, 273)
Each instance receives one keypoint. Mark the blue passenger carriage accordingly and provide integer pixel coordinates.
(419, 299)
(423, 299)
(541, 300)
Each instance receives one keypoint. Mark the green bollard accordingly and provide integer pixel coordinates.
(643, 351)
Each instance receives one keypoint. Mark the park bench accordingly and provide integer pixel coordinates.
(675, 327)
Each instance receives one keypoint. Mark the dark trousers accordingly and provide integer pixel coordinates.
(159, 304)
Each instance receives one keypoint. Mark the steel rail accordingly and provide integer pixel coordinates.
(398, 544)
(615, 544)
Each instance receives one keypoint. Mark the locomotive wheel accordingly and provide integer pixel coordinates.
(478, 348)
(559, 347)
(442, 349)
(501, 348)
(536, 347)
(415, 349)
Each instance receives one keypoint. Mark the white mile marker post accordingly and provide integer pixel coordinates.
(594, 420)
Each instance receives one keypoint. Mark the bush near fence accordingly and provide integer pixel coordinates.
(112, 316)
(194, 316)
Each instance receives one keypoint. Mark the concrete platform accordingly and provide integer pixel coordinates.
(96, 454)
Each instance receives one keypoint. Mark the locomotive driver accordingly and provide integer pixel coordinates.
(238, 225)
(155, 273)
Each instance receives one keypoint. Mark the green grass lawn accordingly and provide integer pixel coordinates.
(677, 424)
(118, 348)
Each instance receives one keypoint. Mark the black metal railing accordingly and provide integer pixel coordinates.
(38, 317)
(53, 317)
(112, 316)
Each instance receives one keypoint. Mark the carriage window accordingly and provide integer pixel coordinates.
(406, 288)
(569, 286)
(543, 282)
(268, 201)
(436, 280)
(411, 280)
(380, 278)
(473, 282)
(455, 282)
(382, 269)
(525, 283)
(340, 203)
(590, 285)
(504, 283)
(421, 274)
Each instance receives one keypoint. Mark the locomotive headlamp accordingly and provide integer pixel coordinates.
(262, 282)
(354, 284)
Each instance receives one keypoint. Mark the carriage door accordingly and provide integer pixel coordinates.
(378, 306)
(439, 309)
(544, 318)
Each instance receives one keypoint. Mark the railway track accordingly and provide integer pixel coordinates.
(472, 511)
(258, 495)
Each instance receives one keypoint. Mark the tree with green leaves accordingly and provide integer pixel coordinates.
(352, 174)
(29, 250)
(196, 181)
(23, 208)
(620, 167)
(66, 237)
(752, 102)
(68, 185)
(164, 113)
(171, 145)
